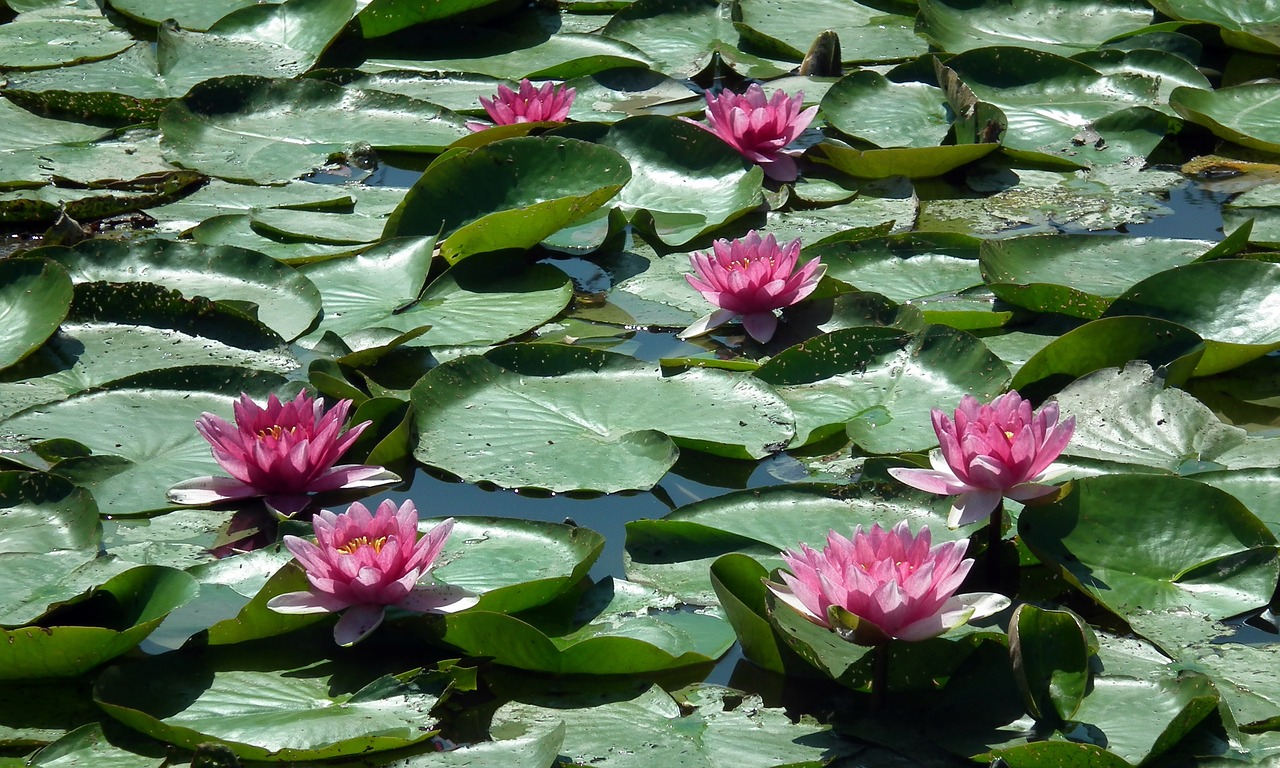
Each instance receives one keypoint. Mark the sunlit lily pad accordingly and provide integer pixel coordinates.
(21, 129)
(867, 33)
(1245, 24)
(298, 712)
(1047, 25)
(1078, 275)
(191, 14)
(1231, 303)
(651, 727)
(509, 194)
(1151, 543)
(617, 630)
(881, 383)
(867, 106)
(145, 595)
(545, 416)
(680, 37)
(904, 267)
(46, 41)
(254, 129)
(1247, 114)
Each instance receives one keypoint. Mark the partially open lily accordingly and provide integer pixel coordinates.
(749, 278)
(283, 453)
(991, 451)
(882, 585)
(362, 563)
(527, 104)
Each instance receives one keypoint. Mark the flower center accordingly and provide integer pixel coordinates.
(362, 541)
(744, 262)
(275, 431)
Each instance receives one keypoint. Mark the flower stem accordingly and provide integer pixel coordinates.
(995, 540)
(879, 676)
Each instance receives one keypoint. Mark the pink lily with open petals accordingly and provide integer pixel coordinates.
(760, 128)
(283, 453)
(992, 451)
(362, 563)
(881, 585)
(749, 278)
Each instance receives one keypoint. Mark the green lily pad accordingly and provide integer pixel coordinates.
(1064, 109)
(195, 15)
(651, 728)
(382, 17)
(265, 131)
(35, 296)
(1110, 342)
(881, 383)
(867, 34)
(1050, 653)
(1228, 302)
(509, 194)
(684, 180)
(144, 596)
(47, 41)
(616, 631)
(1078, 275)
(20, 129)
(1046, 25)
(87, 745)
(681, 36)
(285, 301)
(867, 106)
(299, 712)
(543, 415)
(522, 47)
(1247, 114)
(912, 162)
(1152, 543)
(1245, 24)
(904, 267)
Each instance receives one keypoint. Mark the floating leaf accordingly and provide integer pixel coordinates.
(544, 416)
(1056, 26)
(35, 296)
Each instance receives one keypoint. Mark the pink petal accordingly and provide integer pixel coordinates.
(356, 624)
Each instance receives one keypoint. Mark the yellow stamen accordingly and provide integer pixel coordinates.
(362, 541)
(275, 431)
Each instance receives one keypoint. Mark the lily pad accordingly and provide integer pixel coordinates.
(1048, 25)
(509, 194)
(881, 383)
(35, 296)
(265, 131)
(543, 416)
(1152, 543)
(284, 301)
(867, 33)
(651, 728)
(1247, 114)
(299, 712)
(1245, 24)
(1078, 275)
(867, 106)
(1231, 303)
(681, 36)
(48, 41)
(190, 14)
(904, 267)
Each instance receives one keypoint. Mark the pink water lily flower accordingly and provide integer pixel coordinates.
(992, 451)
(526, 105)
(760, 128)
(883, 584)
(749, 278)
(362, 563)
(282, 452)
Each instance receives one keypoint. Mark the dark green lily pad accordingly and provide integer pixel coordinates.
(35, 296)
(382, 17)
(1245, 114)
(1152, 543)
(285, 301)
(542, 415)
(1228, 302)
(509, 194)
(132, 604)
(912, 162)
(1245, 24)
(190, 14)
(1078, 275)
